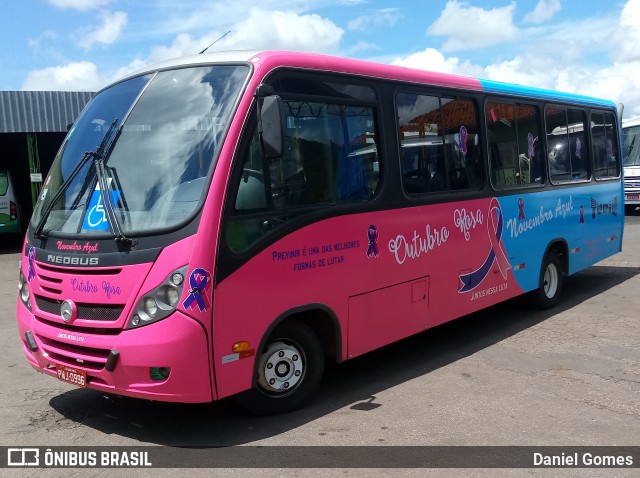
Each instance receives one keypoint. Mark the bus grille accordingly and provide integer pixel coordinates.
(74, 355)
(99, 312)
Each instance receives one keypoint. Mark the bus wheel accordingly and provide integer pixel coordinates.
(289, 371)
(550, 285)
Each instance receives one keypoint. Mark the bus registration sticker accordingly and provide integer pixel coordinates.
(74, 376)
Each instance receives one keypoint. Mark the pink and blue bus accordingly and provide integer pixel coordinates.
(223, 224)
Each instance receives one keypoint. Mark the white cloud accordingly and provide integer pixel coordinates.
(198, 16)
(79, 4)
(467, 27)
(75, 76)
(362, 46)
(627, 36)
(619, 82)
(432, 60)
(46, 45)
(183, 44)
(283, 30)
(539, 71)
(261, 30)
(545, 9)
(105, 34)
(387, 17)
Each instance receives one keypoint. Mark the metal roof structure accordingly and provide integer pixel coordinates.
(40, 111)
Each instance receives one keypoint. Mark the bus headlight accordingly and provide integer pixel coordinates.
(23, 291)
(170, 295)
(150, 307)
(159, 303)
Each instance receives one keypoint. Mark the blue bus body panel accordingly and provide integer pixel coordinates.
(590, 218)
(497, 87)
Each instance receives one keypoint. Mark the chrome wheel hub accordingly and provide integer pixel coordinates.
(281, 368)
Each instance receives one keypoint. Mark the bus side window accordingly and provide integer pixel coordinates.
(605, 145)
(569, 158)
(438, 143)
(251, 191)
(330, 157)
(514, 140)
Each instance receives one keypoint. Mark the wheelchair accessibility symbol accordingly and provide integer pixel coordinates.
(96, 218)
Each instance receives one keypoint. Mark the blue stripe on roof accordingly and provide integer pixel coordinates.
(497, 87)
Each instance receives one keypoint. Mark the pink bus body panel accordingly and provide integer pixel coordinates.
(244, 302)
(178, 342)
(412, 284)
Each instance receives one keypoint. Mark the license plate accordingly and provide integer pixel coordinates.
(74, 376)
(632, 196)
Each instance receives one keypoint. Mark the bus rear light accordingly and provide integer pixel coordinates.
(13, 211)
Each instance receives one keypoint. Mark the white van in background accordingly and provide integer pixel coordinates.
(631, 156)
(9, 209)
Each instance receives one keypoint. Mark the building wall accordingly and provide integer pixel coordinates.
(14, 157)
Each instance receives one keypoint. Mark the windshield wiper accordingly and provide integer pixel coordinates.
(105, 193)
(97, 153)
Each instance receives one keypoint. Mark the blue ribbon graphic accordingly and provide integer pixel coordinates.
(32, 268)
(372, 234)
(198, 283)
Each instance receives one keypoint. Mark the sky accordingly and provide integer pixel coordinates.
(590, 47)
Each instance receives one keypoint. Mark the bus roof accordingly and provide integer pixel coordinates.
(497, 87)
(626, 123)
(270, 59)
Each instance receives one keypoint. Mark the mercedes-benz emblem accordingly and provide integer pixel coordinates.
(68, 310)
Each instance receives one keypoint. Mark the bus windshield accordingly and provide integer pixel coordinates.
(631, 145)
(157, 136)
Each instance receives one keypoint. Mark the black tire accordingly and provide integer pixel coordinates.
(630, 209)
(289, 371)
(550, 283)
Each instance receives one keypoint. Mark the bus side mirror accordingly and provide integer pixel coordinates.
(620, 108)
(270, 126)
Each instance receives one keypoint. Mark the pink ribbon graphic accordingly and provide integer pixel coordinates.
(495, 225)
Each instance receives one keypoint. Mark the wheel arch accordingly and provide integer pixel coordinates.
(320, 318)
(560, 248)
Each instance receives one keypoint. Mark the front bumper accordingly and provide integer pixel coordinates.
(177, 342)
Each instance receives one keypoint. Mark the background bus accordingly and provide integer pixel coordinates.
(631, 155)
(246, 216)
(9, 208)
